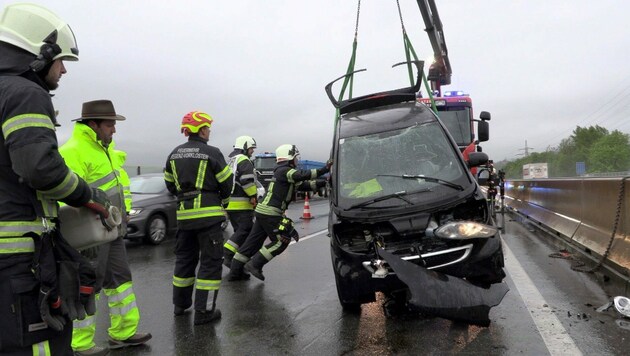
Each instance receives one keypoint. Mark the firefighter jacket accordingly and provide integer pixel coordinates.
(244, 178)
(286, 180)
(33, 176)
(101, 167)
(198, 175)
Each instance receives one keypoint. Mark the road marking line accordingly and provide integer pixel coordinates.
(309, 236)
(554, 335)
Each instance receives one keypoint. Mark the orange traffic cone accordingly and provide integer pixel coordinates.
(307, 209)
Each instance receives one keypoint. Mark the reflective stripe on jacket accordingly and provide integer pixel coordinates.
(286, 180)
(100, 167)
(202, 181)
(244, 182)
(33, 176)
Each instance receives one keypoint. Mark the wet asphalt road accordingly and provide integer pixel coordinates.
(296, 311)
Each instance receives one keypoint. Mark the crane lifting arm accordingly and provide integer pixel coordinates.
(440, 70)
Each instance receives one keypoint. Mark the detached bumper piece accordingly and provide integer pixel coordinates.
(446, 296)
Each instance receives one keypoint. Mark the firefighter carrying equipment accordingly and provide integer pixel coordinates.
(286, 152)
(194, 121)
(37, 30)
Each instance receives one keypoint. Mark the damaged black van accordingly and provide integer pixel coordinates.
(407, 217)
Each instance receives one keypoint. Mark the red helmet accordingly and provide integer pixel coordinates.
(194, 121)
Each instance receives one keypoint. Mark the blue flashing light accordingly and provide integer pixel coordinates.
(455, 93)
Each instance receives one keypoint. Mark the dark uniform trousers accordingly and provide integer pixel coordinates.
(242, 222)
(263, 227)
(203, 246)
(19, 312)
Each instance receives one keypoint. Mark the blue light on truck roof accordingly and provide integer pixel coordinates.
(455, 93)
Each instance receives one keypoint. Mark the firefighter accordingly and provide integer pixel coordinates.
(34, 43)
(244, 195)
(202, 181)
(90, 153)
(269, 213)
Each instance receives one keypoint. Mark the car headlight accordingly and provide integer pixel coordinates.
(461, 230)
(135, 211)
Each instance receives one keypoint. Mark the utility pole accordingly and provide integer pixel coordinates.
(526, 149)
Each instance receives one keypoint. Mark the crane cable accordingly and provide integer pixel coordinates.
(410, 51)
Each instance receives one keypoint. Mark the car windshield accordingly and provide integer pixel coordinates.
(457, 123)
(147, 185)
(395, 162)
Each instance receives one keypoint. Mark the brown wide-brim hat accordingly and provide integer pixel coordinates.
(99, 110)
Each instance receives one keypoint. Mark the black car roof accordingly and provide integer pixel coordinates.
(384, 118)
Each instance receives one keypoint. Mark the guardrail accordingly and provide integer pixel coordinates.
(582, 210)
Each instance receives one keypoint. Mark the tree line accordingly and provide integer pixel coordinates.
(600, 151)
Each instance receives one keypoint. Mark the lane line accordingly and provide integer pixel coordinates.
(309, 236)
(554, 335)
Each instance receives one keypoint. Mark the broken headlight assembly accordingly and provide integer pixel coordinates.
(463, 230)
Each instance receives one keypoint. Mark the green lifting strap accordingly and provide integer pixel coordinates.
(410, 51)
(349, 79)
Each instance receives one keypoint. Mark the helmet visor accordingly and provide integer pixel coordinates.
(68, 44)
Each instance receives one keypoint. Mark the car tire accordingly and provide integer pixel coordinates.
(156, 230)
(342, 289)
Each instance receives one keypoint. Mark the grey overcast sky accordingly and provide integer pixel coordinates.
(541, 67)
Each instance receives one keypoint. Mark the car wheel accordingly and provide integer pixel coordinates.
(155, 230)
(342, 290)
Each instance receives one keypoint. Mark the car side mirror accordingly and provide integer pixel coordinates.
(476, 159)
(483, 130)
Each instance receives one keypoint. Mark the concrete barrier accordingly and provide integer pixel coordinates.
(580, 209)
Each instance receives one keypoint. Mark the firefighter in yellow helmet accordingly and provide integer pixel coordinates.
(90, 153)
(244, 195)
(34, 43)
(202, 181)
(270, 219)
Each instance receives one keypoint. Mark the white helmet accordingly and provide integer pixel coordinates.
(39, 31)
(244, 143)
(286, 152)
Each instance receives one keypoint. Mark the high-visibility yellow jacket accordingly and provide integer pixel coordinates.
(244, 182)
(100, 167)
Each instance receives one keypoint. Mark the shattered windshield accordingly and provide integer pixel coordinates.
(379, 165)
(457, 123)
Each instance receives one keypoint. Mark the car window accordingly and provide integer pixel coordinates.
(147, 185)
(370, 164)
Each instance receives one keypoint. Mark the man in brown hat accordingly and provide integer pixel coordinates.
(90, 154)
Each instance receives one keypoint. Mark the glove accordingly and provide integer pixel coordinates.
(100, 204)
(329, 163)
(51, 312)
(69, 290)
(87, 298)
(285, 231)
(253, 201)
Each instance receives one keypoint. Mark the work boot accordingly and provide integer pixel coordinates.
(255, 265)
(236, 272)
(93, 351)
(206, 316)
(179, 310)
(135, 340)
(227, 258)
